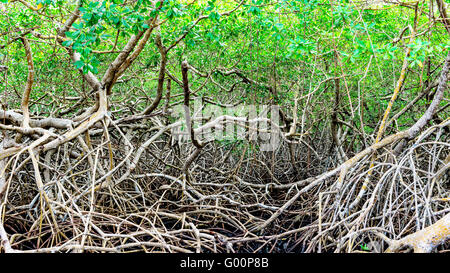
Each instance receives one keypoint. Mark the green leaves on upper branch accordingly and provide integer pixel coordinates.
(299, 48)
(419, 50)
(99, 18)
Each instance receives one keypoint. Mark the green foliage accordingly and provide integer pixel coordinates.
(364, 247)
(419, 50)
(288, 41)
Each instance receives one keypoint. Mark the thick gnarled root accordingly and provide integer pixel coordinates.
(425, 240)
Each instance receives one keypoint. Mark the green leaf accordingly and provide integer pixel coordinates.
(79, 64)
(67, 43)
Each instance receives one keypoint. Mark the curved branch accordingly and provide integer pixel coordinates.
(29, 84)
(162, 71)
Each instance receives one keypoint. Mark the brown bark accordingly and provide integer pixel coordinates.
(443, 13)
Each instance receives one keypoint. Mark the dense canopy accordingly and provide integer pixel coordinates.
(224, 125)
